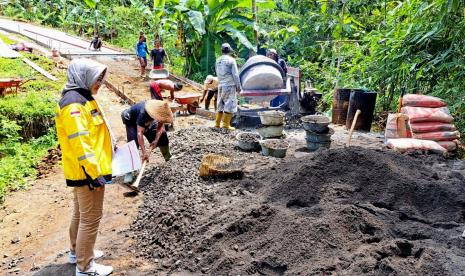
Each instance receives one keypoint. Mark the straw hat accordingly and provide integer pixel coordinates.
(159, 111)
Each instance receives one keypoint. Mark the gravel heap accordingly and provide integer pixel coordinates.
(348, 211)
(176, 200)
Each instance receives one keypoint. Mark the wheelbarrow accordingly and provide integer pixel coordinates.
(11, 85)
(157, 74)
(189, 102)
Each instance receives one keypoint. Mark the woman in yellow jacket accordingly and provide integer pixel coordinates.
(87, 149)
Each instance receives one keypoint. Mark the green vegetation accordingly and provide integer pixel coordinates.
(26, 122)
(381, 45)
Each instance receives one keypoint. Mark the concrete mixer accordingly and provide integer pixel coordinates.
(262, 80)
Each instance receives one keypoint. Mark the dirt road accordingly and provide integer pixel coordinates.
(34, 223)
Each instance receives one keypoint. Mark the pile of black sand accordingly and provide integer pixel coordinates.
(349, 211)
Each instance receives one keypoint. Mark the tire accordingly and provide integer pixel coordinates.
(191, 109)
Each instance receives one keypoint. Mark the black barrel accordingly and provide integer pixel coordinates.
(341, 99)
(366, 102)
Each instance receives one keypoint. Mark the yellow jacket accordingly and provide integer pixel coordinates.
(84, 140)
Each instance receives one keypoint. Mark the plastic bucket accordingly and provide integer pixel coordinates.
(274, 147)
(272, 118)
(248, 141)
(316, 123)
(319, 137)
(271, 131)
(314, 146)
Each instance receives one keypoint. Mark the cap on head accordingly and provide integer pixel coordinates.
(226, 48)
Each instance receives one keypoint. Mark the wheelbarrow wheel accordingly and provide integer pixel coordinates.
(192, 109)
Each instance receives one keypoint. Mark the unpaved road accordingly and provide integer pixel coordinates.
(39, 218)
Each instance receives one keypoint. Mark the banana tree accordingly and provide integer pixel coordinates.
(204, 25)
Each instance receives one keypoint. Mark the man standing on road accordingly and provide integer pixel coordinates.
(228, 79)
(210, 87)
(87, 149)
(142, 52)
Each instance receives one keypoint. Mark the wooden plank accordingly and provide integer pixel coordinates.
(39, 69)
(119, 93)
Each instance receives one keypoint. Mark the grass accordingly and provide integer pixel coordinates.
(26, 121)
(6, 39)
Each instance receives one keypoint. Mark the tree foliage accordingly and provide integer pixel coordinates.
(383, 45)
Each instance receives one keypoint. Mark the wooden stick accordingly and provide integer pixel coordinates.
(353, 126)
(40, 70)
(135, 185)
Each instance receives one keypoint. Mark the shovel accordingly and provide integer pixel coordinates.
(353, 126)
(135, 185)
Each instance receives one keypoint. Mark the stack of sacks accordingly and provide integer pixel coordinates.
(430, 119)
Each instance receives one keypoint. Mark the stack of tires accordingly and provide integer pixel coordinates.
(430, 119)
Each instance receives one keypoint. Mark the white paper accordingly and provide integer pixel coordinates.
(126, 159)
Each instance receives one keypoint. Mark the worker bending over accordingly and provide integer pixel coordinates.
(148, 118)
(210, 87)
(87, 149)
(96, 43)
(228, 79)
(157, 86)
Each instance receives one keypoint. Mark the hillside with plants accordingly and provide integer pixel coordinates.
(26, 120)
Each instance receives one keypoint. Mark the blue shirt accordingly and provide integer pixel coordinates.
(141, 49)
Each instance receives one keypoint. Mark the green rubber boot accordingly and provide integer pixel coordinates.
(165, 151)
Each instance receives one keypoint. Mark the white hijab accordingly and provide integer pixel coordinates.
(83, 73)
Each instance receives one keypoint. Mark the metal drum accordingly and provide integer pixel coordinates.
(341, 99)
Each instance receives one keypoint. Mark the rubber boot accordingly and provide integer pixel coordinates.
(165, 151)
(227, 121)
(219, 116)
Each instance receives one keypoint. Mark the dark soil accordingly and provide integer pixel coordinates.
(47, 163)
(347, 211)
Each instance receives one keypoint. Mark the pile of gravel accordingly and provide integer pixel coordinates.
(349, 211)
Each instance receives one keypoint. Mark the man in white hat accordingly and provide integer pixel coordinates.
(148, 118)
(229, 84)
(211, 87)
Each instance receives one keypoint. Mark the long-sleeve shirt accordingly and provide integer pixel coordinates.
(227, 72)
(141, 49)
